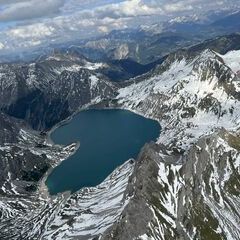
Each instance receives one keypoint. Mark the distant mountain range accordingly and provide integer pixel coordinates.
(144, 44)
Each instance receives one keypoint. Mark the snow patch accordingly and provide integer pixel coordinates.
(232, 59)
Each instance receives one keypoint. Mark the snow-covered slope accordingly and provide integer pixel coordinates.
(191, 97)
(84, 215)
(232, 59)
(91, 211)
(195, 200)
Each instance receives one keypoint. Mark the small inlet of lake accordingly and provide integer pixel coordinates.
(107, 139)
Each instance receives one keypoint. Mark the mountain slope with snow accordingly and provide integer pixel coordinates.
(198, 199)
(190, 97)
(193, 189)
(232, 60)
(51, 89)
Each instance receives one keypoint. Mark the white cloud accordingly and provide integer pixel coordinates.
(129, 8)
(178, 7)
(103, 29)
(41, 22)
(1, 45)
(38, 30)
(22, 10)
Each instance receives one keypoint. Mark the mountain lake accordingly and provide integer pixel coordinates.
(107, 139)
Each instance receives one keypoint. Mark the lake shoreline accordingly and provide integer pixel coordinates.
(117, 110)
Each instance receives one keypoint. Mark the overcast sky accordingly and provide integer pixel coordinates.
(26, 23)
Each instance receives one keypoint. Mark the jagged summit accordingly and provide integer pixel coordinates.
(185, 91)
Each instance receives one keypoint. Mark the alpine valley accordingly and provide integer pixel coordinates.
(184, 186)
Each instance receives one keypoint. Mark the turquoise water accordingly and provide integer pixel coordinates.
(107, 139)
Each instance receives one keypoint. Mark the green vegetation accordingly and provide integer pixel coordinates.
(205, 223)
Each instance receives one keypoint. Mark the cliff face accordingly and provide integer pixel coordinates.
(195, 200)
(52, 89)
(185, 186)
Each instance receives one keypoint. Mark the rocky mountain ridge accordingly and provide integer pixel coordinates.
(48, 91)
(195, 166)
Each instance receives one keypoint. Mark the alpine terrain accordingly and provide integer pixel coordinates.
(184, 186)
